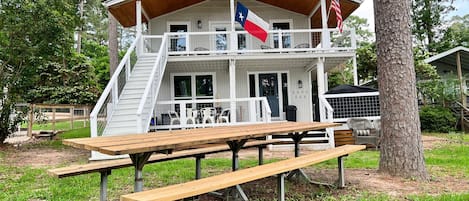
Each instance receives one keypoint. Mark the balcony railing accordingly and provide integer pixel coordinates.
(190, 113)
(240, 42)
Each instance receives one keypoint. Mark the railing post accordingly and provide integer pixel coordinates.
(127, 70)
(94, 126)
(183, 115)
(353, 38)
(115, 93)
(280, 40)
(252, 108)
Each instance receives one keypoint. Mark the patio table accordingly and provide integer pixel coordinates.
(141, 146)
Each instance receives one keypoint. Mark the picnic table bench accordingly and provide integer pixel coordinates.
(217, 182)
(140, 147)
(105, 167)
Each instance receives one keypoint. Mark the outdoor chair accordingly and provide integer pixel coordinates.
(208, 115)
(363, 131)
(173, 118)
(191, 115)
(224, 116)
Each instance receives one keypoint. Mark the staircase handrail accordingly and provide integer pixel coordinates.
(111, 84)
(462, 106)
(162, 54)
(329, 111)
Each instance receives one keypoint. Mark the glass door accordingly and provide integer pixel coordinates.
(222, 41)
(273, 86)
(178, 43)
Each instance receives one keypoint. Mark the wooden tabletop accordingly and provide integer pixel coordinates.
(176, 139)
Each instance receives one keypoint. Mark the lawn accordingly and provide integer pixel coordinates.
(64, 125)
(27, 182)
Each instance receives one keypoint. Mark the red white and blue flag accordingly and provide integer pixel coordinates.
(252, 23)
(338, 14)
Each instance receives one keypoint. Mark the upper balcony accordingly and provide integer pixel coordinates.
(297, 43)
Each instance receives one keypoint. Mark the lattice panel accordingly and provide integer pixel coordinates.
(362, 106)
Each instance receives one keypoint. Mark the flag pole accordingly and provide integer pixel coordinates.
(233, 33)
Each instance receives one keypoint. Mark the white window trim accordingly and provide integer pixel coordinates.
(282, 114)
(289, 21)
(193, 87)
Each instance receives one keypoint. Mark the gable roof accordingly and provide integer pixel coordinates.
(448, 58)
(124, 10)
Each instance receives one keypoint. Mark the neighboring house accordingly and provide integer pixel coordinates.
(191, 56)
(453, 62)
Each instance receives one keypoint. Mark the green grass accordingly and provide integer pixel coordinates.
(30, 183)
(65, 125)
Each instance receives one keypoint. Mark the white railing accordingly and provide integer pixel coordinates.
(248, 111)
(109, 99)
(152, 88)
(348, 105)
(216, 43)
(327, 115)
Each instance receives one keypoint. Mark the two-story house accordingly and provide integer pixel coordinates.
(196, 67)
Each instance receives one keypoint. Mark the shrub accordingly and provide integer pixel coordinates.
(437, 119)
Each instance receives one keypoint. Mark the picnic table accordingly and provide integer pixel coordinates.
(141, 146)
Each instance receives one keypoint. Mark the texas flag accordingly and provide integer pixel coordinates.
(252, 23)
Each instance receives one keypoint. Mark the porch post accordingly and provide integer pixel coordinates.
(138, 16)
(326, 38)
(138, 26)
(326, 81)
(355, 72)
(321, 89)
(232, 91)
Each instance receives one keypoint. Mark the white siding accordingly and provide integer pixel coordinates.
(219, 11)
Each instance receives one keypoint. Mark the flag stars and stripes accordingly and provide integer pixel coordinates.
(335, 5)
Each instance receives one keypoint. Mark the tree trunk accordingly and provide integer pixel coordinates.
(113, 44)
(401, 143)
(80, 29)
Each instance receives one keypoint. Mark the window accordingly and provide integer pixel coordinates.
(192, 87)
(242, 45)
(178, 42)
(286, 37)
(221, 41)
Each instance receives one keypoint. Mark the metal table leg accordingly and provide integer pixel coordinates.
(299, 173)
(235, 146)
(139, 160)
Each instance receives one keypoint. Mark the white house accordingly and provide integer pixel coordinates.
(191, 55)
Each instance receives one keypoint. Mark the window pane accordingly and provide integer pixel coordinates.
(252, 86)
(286, 37)
(182, 86)
(204, 85)
(178, 42)
(221, 40)
(241, 40)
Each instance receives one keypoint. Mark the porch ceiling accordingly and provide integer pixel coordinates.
(208, 65)
(124, 10)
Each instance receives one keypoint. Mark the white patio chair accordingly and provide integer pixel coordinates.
(173, 118)
(224, 116)
(208, 115)
(191, 116)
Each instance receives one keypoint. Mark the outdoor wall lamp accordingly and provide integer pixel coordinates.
(300, 84)
(199, 24)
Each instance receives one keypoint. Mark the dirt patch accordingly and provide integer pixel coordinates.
(429, 142)
(38, 157)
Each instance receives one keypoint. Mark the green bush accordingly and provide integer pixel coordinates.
(437, 119)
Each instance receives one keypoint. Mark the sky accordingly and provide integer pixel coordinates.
(366, 11)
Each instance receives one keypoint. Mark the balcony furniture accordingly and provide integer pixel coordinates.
(201, 49)
(224, 116)
(302, 45)
(191, 115)
(208, 115)
(174, 117)
(363, 131)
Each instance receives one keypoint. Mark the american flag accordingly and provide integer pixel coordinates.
(338, 13)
